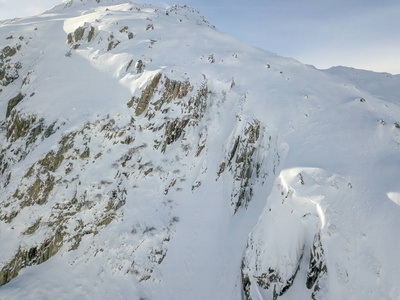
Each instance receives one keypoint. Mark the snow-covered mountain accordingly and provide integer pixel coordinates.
(145, 155)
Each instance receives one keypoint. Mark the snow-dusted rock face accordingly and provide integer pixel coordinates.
(145, 155)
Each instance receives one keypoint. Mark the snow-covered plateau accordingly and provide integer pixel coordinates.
(145, 155)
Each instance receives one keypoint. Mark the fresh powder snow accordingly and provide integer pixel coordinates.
(145, 155)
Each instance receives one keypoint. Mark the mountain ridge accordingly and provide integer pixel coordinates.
(170, 161)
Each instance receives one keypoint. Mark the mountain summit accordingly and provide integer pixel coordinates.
(145, 155)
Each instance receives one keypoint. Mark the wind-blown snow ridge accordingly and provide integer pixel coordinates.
(145, 155)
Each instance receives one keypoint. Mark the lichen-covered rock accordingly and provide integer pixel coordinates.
(139, 66)
(248, 158)
(35, 132)
(36, 188)
(82, 33)
(112, 45)
(7, 52)
(19, 126)
(157, 99)
(54, 182)
(38, 192)
(13, 102)
(91, 34)
(52, 161)
(23, 132)
(161, 92)
(37, 254)
(147, 94)
(129, 65)
(28, 128)
(173, 131)
(9, 67)
(78, 33)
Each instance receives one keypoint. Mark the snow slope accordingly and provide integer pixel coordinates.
(145, 155)
(384, 86)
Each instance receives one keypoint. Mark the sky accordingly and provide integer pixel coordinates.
(363, 34)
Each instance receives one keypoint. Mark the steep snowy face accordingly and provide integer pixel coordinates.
(144, 154)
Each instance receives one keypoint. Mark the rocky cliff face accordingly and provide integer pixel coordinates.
(145, 154)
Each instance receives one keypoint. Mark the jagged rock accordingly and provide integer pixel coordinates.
(139, 66)
(9, 68)
(91, 34)
(40, 185)
(147, 93)
(38, 192)
(19, 127)
(36, 189)
(52, 161)
(7, 52)
(32, 256)
(317, 267)
(82, 32)
(13, 102)
(269, 280)
(112, 45)
(173, 131)
(78, 33)
(245, 159)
